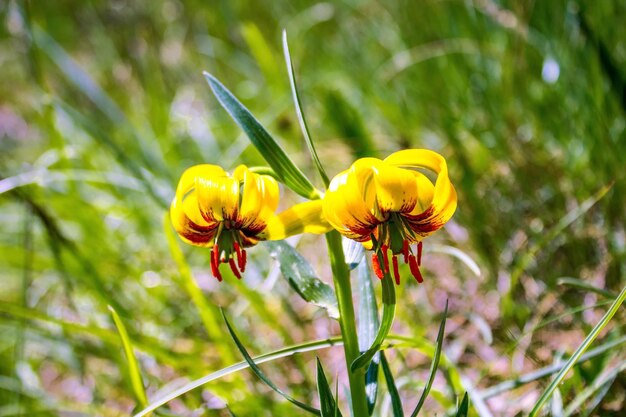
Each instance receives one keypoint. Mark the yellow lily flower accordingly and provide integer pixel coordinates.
(229, 213)
(389, 205)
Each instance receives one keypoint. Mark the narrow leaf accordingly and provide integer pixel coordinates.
(434, 364)
(389, 311)
(261, 375)
(267, 357)
(464, 407)
(328, 405)
(302, 278)
(261, 139)
(367, 327)
(134, 372)
(578, 353)
(396, 404)
(300, 113)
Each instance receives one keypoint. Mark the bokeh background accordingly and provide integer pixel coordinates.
(103, 105)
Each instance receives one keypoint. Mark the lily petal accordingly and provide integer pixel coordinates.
(395, 189)
(259, 199)
(305, 217)
(218, 197)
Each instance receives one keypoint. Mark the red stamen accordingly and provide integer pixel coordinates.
(215, 266)
(376, 265)
(405, 251)
(244, 260)
(396, 272)
(238, 251)
(385, 248)
(415, 269)
(233, 268)
(419, 254)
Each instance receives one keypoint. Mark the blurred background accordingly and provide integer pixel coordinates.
(103, 105)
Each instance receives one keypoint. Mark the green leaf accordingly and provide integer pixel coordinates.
(328, 405)
(367, 327)
(464, 407)
(396, 404)
(262, 375)
(389, 311)
(302, 278)
(434, 364)
(300, 113)
(134, 373)
(578, 353)
(266, 145)
(267, 357)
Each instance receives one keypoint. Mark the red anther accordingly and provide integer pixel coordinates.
(415, 269)
(405, 250)
(419, 254)
(238, 251)
(215, 266)
(244, 259)
(385, 248)
(233, 268)
(215, 255)
(376, 265)
(396, 272)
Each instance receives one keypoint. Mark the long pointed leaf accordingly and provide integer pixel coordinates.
(302, 278)
(268, 357)
(328, 405)
(464, 407)
(261, 139)
(434, 364)
(262, 375)
(134, 372)
(389, 311)
(300, 113)
(578, 353)
(368, 324)
(396, 404)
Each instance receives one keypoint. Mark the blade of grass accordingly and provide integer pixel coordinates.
(258, 372)
(328, 406)
(389, 311)
(267, 357)
(578, 353)
(434, 364)
(261, 139)
(464, 407)
(546, 371)
(396, 404)
(583, 285)
(209, 313)
(134, 373)
(301, 119)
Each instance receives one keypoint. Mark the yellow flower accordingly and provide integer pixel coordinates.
(229, 213)
(389, 205)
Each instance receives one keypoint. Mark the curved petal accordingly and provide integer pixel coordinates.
(259, 199)
(396, 189)
(189, 223)
(350, 204)
(188, 179)
(302, 218)
(218, 197)
(425, 192)
(424, 158)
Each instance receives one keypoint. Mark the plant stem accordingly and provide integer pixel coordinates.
(347, 322)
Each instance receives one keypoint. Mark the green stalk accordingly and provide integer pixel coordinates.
(347, 322)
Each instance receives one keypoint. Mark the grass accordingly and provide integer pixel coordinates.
(104, 104)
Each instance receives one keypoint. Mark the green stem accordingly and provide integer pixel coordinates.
(347, 322)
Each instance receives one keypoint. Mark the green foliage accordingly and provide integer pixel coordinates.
(104, 105)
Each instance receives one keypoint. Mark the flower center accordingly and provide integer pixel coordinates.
(392, 237)
(227, 248)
